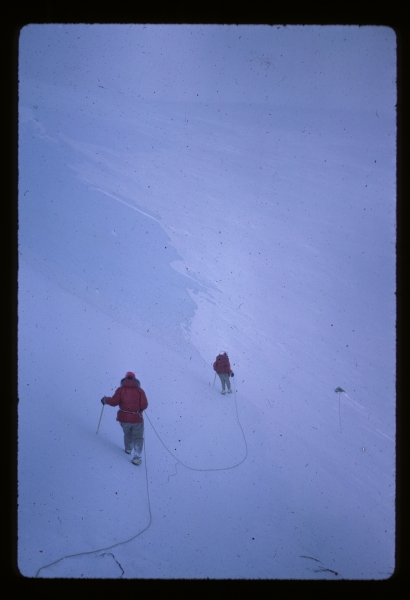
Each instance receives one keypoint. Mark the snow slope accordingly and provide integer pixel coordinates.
(150, 240)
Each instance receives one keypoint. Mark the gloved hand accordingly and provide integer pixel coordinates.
(231, 374)
(103, 400)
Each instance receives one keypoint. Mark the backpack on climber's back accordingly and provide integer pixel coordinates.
(221, 364)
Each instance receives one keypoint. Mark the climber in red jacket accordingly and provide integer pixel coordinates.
(131, 399)
(223, 368)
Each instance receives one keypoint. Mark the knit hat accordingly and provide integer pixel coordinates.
(130, 374)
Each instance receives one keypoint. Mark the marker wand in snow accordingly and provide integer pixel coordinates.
(339, 391)
(100, 419)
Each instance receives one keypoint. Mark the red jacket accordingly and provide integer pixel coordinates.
(131, 400)
(221, 365)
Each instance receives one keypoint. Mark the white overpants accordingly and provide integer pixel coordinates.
(133, 436)
(224, 377)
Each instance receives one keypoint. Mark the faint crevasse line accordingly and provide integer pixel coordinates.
(384, 435)
(123, 202)
(363, 410)
(178, 266)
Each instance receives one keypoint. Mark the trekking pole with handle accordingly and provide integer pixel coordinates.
(100, 418)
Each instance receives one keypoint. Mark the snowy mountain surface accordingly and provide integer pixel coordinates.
(154, 234)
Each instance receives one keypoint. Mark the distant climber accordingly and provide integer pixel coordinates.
(223, 368)
(132, 401)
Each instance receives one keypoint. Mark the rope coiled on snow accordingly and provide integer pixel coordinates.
(208, 469)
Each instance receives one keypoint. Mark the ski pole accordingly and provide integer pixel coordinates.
(100, 419)
(214, 377)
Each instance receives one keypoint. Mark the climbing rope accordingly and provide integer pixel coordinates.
(148, 497)
(118, 543)
(208, 469)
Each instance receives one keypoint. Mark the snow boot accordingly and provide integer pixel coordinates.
(223, 392)
(127, 451)
(136, 460)
(229, 391)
